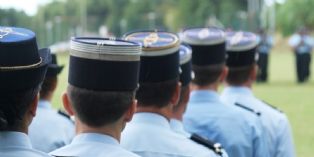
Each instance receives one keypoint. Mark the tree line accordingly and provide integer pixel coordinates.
(58, 20)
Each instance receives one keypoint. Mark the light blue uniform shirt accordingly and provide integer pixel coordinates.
(150, 135)
(264, 44)
(306, 47)
(93, 145)
(17, 144)
(50, 130)
(207, 116)
(277, 126)
(177, 127)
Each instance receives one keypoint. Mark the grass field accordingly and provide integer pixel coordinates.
(296, 100)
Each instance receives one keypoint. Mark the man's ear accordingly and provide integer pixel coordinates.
(67, 104)
(34, 104)
(223, 74)
(253, 73)
(176, 96)
(130, 112)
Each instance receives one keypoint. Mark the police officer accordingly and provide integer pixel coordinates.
(302, 45)
(241, 61)
(149, 134)
(206, 115)
(49, 129)
(22, 70)
(265, 43)
(103, 77)
(178, 110)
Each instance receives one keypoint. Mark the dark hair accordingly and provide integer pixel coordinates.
(239, 75)
(206, 75)
(99, 108)
(13, 107)
(48, 86)
(184, 91)
(156, 94)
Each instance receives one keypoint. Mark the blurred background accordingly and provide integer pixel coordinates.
(55, 22)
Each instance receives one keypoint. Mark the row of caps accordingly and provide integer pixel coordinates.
(156, 43)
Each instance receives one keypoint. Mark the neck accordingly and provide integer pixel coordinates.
(164, 111)
(114, 130)
(213, 87)
(247, 84)
(48, 97)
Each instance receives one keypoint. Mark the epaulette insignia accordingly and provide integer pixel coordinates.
(248, 109)
(274, 107)
(64, 114)
(216, 147)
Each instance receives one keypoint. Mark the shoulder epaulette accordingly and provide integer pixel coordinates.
(216, 147)
(64, 114)
(274, 107)
(248, 109)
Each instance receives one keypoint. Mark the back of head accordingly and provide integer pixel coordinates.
(51, 79)
(22, 69)
(103, 77)
(208, 57)
(186, 76)
(13, 107)
(159, 71)
(242, 56)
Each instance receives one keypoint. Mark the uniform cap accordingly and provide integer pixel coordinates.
(241, 49)
(208, 45)
(22, 65)
(160, 55)
(104, 64)
(185, 64)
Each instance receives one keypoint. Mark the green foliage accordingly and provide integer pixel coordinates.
(294, 14)
(11, 17)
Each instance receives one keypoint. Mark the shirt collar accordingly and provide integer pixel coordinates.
(44, 104)
(151, 118)
(177, 126)
(94, 137)
(240, 90)
(14, 139)
(204, 95)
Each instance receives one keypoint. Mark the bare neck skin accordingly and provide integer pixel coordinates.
(164, 111)
(114, 129)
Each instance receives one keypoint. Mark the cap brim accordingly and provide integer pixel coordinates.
(26, 78)
(54, 70)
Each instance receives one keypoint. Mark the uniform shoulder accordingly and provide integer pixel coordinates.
(22, 152)
(246, 108)
(64, 114)
(273, 107)
(215, 147)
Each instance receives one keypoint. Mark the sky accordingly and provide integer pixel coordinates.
(29, 6)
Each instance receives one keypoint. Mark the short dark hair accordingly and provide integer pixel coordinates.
(239, 75)
(99, 108)
(184, 91)
(13, 107)
(48, 86)
(206, 75)
(156, 94)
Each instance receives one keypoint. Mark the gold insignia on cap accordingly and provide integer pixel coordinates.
(236, 38)
(204, 33)
(150, 39)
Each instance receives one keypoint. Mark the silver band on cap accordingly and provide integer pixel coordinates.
(242, 41)
(102, 50)
(185, 55)
(203, 36)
